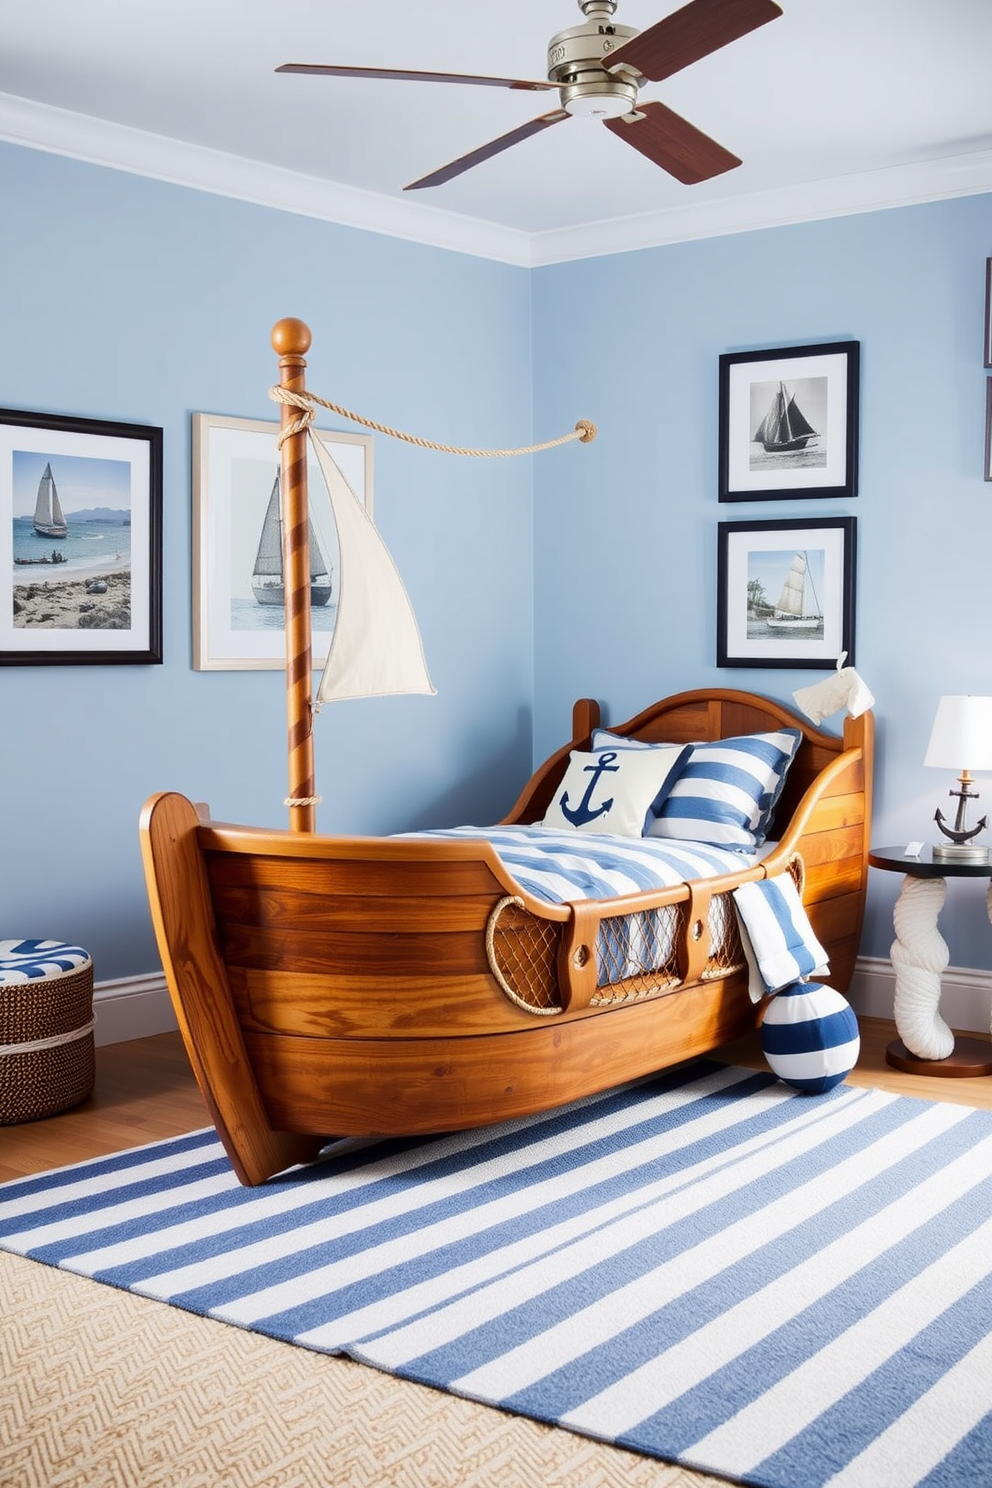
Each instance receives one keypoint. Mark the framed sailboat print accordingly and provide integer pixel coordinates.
(785, 592)
(789, 423)
(80, 541)
(238, 598)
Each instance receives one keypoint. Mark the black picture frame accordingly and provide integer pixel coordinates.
(988, 312)
(988, 428)
(84, 587)
(753, 559)
(765, 391)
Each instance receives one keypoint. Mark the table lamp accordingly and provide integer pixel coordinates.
(961, 740)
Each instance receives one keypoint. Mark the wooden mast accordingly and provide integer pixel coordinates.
(291, 341)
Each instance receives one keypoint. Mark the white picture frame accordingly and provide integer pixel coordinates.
(235, 464)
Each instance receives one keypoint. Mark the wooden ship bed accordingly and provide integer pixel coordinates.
(350, 986)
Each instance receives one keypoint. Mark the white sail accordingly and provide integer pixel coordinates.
(792, 600)
(48, 517)
(376, 647)
(266, 576)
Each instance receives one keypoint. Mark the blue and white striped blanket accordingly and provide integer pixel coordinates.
(779, 942)
(561, 867)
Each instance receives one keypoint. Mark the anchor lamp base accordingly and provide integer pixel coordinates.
(959, 852)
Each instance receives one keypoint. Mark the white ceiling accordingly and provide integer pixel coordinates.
(838, 105)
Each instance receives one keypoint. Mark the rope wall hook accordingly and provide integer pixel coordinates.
(585, 430)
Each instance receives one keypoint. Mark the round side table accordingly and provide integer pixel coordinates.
(926, 1046)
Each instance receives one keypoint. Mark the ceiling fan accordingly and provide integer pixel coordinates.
(597, 69)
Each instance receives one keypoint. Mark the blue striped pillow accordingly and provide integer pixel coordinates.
(727, 789)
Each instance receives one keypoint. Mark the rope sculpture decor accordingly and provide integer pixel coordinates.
(919, 955)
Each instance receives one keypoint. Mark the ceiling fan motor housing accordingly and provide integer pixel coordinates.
(578, 59)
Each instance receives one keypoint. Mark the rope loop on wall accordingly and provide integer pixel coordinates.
(585, 430)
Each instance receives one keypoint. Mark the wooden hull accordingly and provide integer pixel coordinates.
(359, 986)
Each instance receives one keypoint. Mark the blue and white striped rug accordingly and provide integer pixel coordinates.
(707, 1267)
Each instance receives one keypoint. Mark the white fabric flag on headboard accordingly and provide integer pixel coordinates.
(842, 689)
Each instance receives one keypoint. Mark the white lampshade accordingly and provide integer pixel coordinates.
(961, 738)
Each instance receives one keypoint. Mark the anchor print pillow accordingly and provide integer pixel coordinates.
(603, 739)
(615, 791)
(727, 790)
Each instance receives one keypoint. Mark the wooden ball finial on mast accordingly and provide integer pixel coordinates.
(291, 340)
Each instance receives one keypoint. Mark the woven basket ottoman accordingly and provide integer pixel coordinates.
(46, 1028)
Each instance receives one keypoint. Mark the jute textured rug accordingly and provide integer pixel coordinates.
(100, 1388)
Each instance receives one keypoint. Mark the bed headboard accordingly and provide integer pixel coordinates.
(687, 717)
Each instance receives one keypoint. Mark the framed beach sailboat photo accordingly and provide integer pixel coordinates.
(785, 592)
(789, 423)
(238, 593)
(80, 541)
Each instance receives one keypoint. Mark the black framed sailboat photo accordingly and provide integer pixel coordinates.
(238, 584)
(785, 592)
(81, 514)
(789, 423)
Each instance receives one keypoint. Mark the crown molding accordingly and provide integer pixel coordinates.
(38, 126)
(840, 196)
(41, 127)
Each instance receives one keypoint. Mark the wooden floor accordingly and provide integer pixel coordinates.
(145, 1091)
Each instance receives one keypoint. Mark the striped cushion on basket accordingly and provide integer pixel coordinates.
(46, 1028)
(34, 960)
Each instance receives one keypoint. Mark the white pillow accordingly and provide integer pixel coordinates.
(603, 739)
(616, 791)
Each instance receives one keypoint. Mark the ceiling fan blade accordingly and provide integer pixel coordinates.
(673, 143)
(320, 70)
(701, 27)
(486, 152)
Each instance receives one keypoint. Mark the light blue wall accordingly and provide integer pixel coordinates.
(625, 542)
(127, 299)
(124, 298)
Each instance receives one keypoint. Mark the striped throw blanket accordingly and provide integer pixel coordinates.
(778, 939)
(560, 867)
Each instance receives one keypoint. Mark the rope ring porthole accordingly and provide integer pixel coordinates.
(492, 926)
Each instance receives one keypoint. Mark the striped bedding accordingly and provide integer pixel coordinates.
(565, 867)
(561, 867)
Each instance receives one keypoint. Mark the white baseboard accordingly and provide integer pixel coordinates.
(136, 1007)
(965, 995)
(131, 1008)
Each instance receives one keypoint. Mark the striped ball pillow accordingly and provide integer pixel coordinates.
(810, 1037)
(726, 791)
